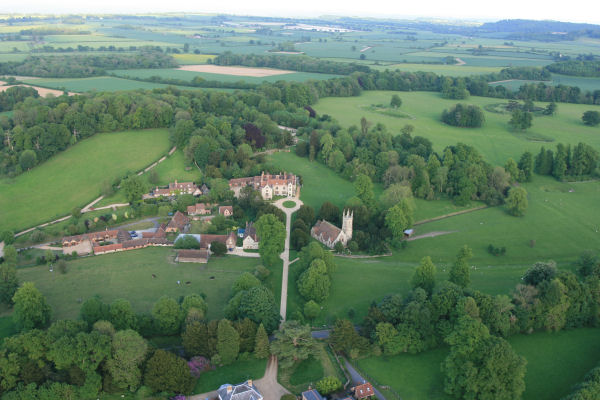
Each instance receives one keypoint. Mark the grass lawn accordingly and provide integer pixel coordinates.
(239, 371)
(129, 275)
(174, 168)
(555, 362)
(191, 59)
(289, 204)
(309, 371)
(319, 183)
(73, 177)
(494, 140)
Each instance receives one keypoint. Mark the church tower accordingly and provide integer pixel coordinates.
(347, 223)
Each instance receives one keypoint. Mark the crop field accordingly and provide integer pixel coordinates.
(440, 69)
(189, 75)
(98, 84)
(555, 362)
(74, 177)
(128, 275)
(495, 141)
(191, 59)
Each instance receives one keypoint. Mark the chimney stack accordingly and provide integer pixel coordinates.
(249, 382)
(229, 389)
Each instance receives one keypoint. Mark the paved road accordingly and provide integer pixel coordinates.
(285, 256)
(358, 379)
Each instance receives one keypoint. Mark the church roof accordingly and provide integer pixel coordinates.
(326, 230)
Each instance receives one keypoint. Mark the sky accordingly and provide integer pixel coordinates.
(570, 11)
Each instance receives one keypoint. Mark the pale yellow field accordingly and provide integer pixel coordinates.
(238, 71)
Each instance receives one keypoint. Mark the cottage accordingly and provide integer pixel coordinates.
(199, 209)
(196, 256)
(178, 223)
(174, 189)
(228, 240)
(226, 211)
(268, 185)
(329, 234)
(250, 241)
(363, 391)
(243, 391)
(204, 189)
(312, 394)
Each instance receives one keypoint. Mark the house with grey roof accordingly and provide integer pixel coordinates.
(243, 391)
(312, 394)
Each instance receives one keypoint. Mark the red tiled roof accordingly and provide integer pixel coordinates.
(222, 209)
(364, 390)
(178, 221)
(264, 180)
(108, 247)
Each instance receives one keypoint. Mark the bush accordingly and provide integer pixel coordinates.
(496, 251)
(328, 385)
(37, 236)
(186, 242)
(167, 372)
(62, 266)
(218, 249)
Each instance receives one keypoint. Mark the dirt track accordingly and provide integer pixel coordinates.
(237, 71)
(430, 235)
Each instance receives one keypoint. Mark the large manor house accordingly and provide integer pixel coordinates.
(268, 185)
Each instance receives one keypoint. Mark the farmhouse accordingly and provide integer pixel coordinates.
(175, 188)
(268, 185)
(226, 211)
(199, 209)
(243, 391)
(228, 240)
(329, 234)
(250, 241)
(363, 391)
(160, 232)
(178, 223)
(196, 256)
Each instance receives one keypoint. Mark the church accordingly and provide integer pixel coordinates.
(329, 234)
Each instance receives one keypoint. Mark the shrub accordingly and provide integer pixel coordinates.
(218, 249)
(328, 385)
(496, 251)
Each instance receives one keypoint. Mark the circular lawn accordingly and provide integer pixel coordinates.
(289, 204)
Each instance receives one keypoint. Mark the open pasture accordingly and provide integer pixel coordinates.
(583, 83)
(74, 177)
(128, 275)
(495, 141)
(555, 362)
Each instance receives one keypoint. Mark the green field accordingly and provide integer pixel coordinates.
(555, 362)
(191, 59)
(128, 275)
(98, 84)
(173, 168)
(440, 69)
(319, 183)
(189, 75)
(494, 140)
(73, 178)
(583, 83)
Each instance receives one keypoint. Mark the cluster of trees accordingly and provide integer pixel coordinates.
(305, 219)
(222, 342)
(315, 267)
(80, 66)
(251, 299)
(589, 68)
(14, 95)
(481, 364)
(591, 118)
(459, 172)
(588, 389)
(102, 351)
(464, 116)
(566, 162)
(298, 63)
